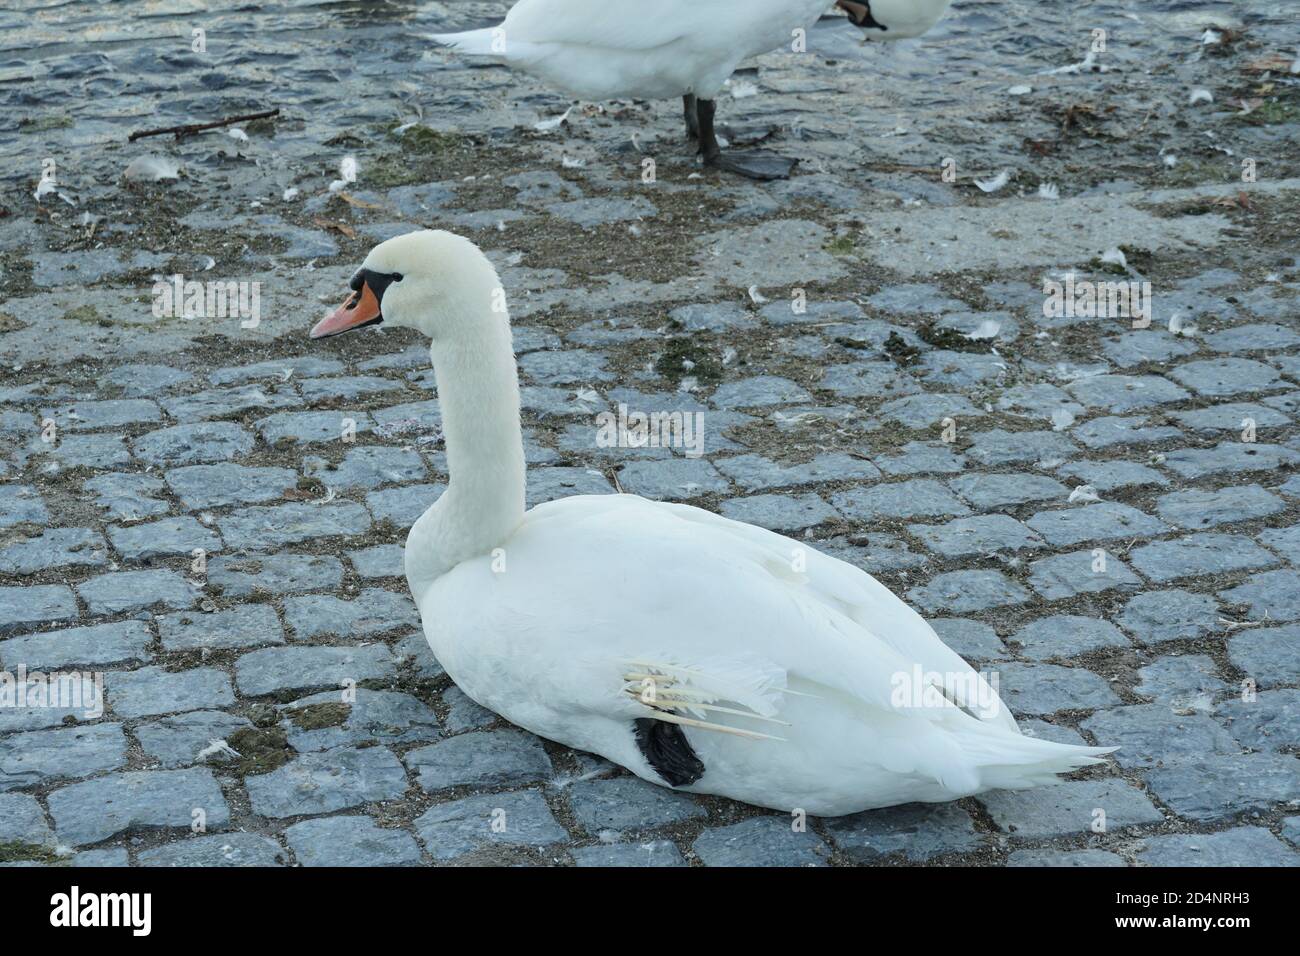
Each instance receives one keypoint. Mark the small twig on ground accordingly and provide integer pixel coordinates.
(182, 131)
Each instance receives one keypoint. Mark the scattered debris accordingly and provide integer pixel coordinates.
(189, 130)
(151, 169)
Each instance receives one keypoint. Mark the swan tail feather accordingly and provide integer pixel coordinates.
(1013, 761)
(472, 42)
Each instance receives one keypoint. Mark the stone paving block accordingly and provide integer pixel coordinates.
(127, 497)
(1154, 617)
(1234, 457)
(928, 408)
(135, 590)
(263, 527)
(1079, 572)
(24, 607)
(224, 849)
(965, 592)
(379, 561)
(463, 713)
(672, 479)
(150, 691)
(1217, 787)
(998, 447)
(961, 369)
(1197, 554)
(1226, 376)
(876, 380)
(328, 780)
(1056, 733)
(1181, 682)
(916, 498)
(450, 830)
(760, 841)
(248, 575)
(1252, 337)
(988, 492)
(1272, 595)
(1240, 846)
(193, 444)
(22, 821)
(179, 740)
(920, 298)
(918, 831)
(1271, 721)
(547, 484)
(120, 643)
(39, 757)
(238, 627)
(1066, 635)
(224, 402)
(53, 548)
(1109, 475)
(214, 486)
(311, 428)
(1038, 400)
(918, 458)
(276, 669)
(1196, 508)
(1232, 417)
(1058, 858)
(1285, 541)
(136, 381)
(629, 804)
(324, 721)
(1152, 735)
(97, 809)
(346, 388)
(873, 553)
(982, 534)
(414, 651)
(372, 611)
(970, 639)
(368, 467)
(759, 391)
(20, 504)
(1271, 655)
(1041, 689)
(756, 473)
(1104, 521)
(276, 369)
(1070, 808)
(87, 451)
(1110, 430)
(649, 853)
(1145, 345)
(350, 841)
(571, 366)
(94, 415)
(491, 758)
(1291, 830)
(780, 512)
(1124, 393)
(163, 538)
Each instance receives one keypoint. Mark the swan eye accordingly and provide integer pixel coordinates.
(397, 277)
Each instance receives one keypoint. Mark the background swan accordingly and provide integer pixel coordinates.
(697, 651)
(608, 49)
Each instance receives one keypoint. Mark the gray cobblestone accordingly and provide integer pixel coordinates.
(97, 809)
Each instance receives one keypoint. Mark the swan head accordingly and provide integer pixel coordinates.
(434, 281)
(894, 19)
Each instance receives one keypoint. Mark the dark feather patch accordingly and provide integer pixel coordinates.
(666, 749)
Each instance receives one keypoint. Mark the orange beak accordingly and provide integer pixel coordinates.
(361, 309)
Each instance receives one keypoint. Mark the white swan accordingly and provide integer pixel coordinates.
(698, 652)
(608, 49)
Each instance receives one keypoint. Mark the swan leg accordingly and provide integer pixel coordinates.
(752, 164)
(692, 116)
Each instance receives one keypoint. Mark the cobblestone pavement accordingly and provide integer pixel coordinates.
(1103, 517)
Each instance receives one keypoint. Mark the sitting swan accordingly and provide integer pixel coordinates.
(701, 653)
(612, 49)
